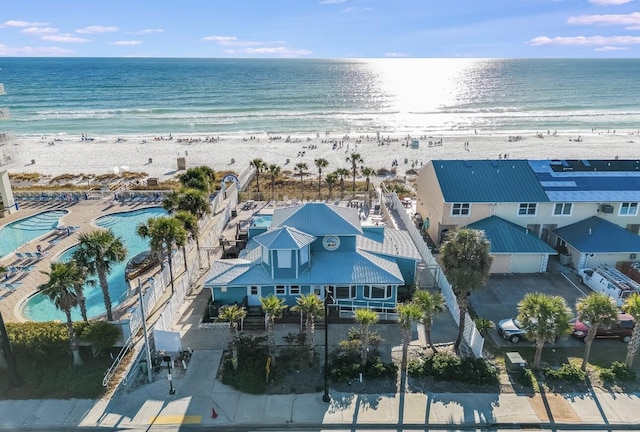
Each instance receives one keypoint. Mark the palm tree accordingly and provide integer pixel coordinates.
(366, 318)
(367, 172)
(408, 313)
(60, 289)
(331, 179)
(466, 263)
(164, 233)
(259, 165)
(273, 307)
(200, 178)
(320, 164)
(342, 173)
(312, 307)
(274, 172)
(98, 251)
(431, 305)
(190, 224)
(632, 307)
(234, 314)
(301, 167)
(354, 160)
(545, 318)
(192, 200)
(599, 310)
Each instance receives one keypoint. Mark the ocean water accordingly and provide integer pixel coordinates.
(222, 96)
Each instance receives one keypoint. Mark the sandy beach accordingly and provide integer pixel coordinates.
(157, 156)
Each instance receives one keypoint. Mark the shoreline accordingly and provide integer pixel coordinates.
(157, 155)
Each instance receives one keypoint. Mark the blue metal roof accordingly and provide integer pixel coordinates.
(589, 181)
(390, 242)
(488, 181)
(284, 238)
(347, 268)
(596, 235)
(319, 219)
(507, 237)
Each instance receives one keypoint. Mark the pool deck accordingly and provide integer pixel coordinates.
(21, 286)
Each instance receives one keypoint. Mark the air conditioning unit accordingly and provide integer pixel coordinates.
(606, 208)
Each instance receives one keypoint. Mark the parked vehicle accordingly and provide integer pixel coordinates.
(610, 281)
(511, 329)
(622, 329)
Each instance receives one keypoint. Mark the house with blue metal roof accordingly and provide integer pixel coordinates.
(541, 196)
(319, 248)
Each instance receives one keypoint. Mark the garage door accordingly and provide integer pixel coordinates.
(501, 264)
(526, 263)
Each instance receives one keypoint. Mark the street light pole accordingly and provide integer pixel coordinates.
(146, 337)
(327, 298)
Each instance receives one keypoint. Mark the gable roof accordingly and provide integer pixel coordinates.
(596, 235)
(319, 219)
(488, 181)
(284, 238)
(507, 237)
(389, 241)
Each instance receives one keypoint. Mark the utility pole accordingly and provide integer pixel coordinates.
(15, 377)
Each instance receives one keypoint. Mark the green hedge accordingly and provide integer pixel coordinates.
(448, 367)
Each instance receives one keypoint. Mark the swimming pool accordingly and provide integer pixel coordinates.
(22, 231)
(261, 221)
(40, 308)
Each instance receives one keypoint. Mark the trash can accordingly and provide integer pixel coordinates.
(234, 213)
(515, 362)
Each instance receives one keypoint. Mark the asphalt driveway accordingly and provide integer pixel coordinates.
(500, 297)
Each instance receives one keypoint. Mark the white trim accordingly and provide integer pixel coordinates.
(527, 208)
(630, 205)
(562, 214)
(461, 208)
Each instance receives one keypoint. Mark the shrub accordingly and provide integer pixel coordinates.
(567, 372)
(101, 335)
(448, 367)
(617, 372)
(346, 368)
(249, 377)
(483, 325)
(525, 377)
(38, 341)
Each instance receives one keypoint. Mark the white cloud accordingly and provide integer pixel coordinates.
(331, 1)
(97, 29)
(13, 23)
(611, 48)
(129, 42)
(66, 38)
(148, 31)
(395, 54)
(34, 51)
(356, 9)
(585, 40)
(39, 30)
(630, 21)
(220, 39)
(609, 2)
(234, 41)
(278, 51)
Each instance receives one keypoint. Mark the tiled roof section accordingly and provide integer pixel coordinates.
(596, 235)
(336, 268)
(509, 238)
(393, 243)
(319, 219)
(488, 181)
(284, 238)
(589, 180)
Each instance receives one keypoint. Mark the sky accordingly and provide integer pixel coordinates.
(320, 28)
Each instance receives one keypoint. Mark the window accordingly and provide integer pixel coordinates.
(284, 258)
(254, 291)
(377, 291)
(562, 209)
(628, 209)
(344, 292)
(294, 290)
(527, 209)
(280, 290)
(460, 209)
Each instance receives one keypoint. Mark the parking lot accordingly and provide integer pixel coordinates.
(500, 297)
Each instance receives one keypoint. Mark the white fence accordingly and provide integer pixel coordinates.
(471, 335)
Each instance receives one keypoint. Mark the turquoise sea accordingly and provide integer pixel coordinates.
(160, 96)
